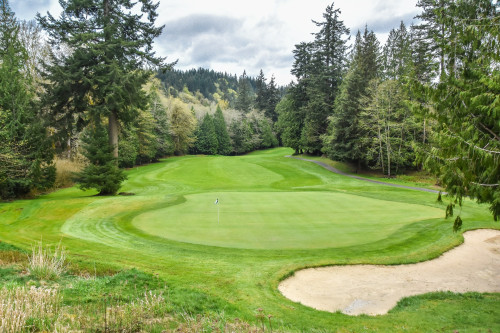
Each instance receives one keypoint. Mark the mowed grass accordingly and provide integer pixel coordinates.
(283, 220)
(276, 215)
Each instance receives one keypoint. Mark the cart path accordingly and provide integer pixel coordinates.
(337, 171)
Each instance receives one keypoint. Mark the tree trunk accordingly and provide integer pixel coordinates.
(381, 149)
(425, 123)
(113, 132)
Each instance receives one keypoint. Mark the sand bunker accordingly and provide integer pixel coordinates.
(372, 289)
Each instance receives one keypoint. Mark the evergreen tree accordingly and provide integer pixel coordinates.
(261, 92)
(432, 30)
(345, 137)
(423, 64)
(223, 139)
(102, 173)
(321, 72)
(244, 100)
(159, 113)
(25, 150)
(268, 139)
(103, 73)
(241, 136)
(206, 138)
(397, 54)
(466, 143)
(272, 99)
(290, 123)
(343, 141)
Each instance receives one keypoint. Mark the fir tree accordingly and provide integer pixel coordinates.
(223, 139)
(261, 92)
(466, 142)
(345, 138)
(244, 100)
(290, 122)
(103, 74)
(272, 99)
(206, 138)
(320, 74)
(102, 172)
(397, 54)
(25, 149)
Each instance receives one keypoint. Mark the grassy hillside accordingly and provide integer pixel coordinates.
(276, 215)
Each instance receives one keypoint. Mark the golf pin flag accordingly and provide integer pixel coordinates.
(216, 201)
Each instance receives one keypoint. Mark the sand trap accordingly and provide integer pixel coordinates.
(372, 289)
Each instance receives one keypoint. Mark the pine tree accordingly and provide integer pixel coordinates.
(102, 173)
(343, 141)
(432, 31)
(223, 139)
(206, 138)
(466, 143)
(241, 134)
(25, 149)
(328, 62)
(244, 100)
(346, 137)
(103, 73)
(261, 92)
(397, 54)
(159, 113)
(290, 122)
(272, 99)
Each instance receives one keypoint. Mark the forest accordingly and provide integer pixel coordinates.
(91, 92)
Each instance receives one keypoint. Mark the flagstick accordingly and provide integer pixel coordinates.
(218, 214)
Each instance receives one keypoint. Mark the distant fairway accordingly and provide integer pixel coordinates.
(281, 220)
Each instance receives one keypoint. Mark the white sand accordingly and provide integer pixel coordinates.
(372, 289)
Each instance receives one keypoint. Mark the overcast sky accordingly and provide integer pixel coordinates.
(230, 36)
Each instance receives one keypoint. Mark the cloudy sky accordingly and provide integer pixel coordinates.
(230, 35)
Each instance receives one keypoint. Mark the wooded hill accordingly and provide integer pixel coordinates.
(208, 82)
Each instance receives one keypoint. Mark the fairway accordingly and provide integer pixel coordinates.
(281, 220)
(276, 215)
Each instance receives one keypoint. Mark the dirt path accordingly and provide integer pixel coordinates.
(335, 170)
(373, 290)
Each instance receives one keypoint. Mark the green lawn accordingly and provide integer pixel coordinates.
(276, 215)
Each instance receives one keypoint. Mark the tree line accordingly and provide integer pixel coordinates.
(427, 98)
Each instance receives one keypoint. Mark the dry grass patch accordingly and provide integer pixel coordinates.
(23, 309)
(65, 168)
(45, 264)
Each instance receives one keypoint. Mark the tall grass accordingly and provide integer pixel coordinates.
(23, 309)
(45, 264)
(114, 315)
(65, 168)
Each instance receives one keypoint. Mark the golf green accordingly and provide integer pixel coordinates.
(280, 220)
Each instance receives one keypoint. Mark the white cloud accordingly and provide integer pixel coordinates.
(230, 36)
